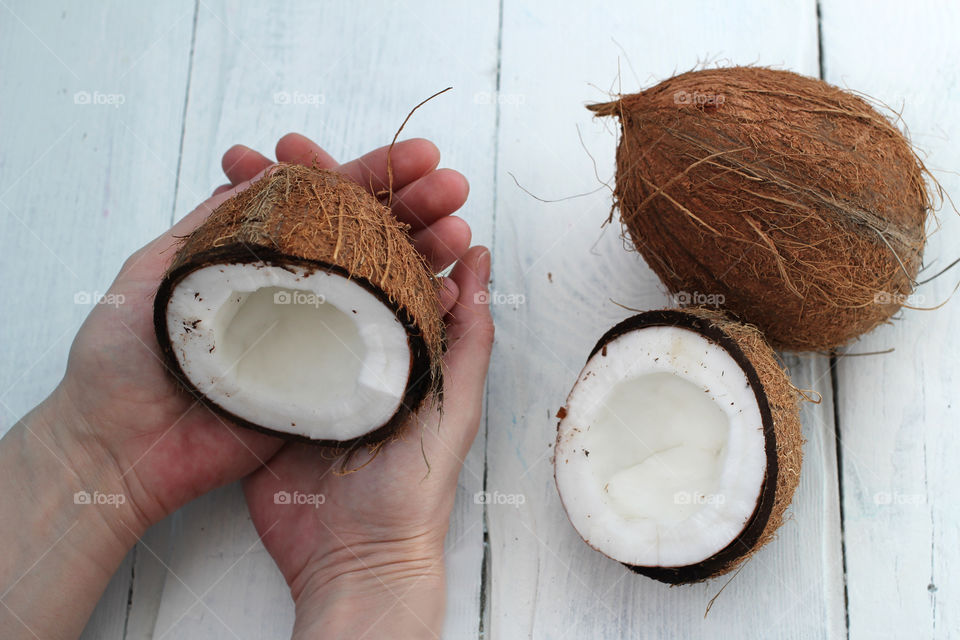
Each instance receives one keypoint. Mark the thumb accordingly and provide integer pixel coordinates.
(469, 339)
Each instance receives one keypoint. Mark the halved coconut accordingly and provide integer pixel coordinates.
(301, 308)
(679, 447)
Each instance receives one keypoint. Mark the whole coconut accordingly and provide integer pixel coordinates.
(795, 203)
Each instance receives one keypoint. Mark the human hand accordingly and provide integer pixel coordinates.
(363, 551)
(117, 424)
(168, 447)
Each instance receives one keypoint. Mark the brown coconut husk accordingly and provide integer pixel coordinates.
(778, 401)
(320, 220)
(796, 201)
(783, 399)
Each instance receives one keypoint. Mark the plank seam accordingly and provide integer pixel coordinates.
(173, 213)
(485, 559)
(820, 63)
(835, 387)
(186, 104)
(133, 578)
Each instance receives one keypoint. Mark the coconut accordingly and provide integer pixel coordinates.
(796, 203)
(679, 447)
(300, 308)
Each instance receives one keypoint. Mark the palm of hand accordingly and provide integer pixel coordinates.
(306, 509)
(168, 447)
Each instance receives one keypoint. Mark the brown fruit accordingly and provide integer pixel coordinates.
(796, 201)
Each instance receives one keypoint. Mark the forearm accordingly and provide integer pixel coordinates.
(59, 549)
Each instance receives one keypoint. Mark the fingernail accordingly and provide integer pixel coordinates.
(448, 286)
(483, 266)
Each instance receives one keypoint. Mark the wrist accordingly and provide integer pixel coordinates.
(93, 487)
(65, 477)
(66, 524)
(372, 589)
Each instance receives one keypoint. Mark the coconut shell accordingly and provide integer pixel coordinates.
(778, 401)
(321, 220)
(796, 201)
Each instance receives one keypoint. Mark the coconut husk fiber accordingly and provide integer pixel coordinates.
(796, 201)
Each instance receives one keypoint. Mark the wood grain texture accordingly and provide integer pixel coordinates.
(563, 272)
(91, 107)
(899, 412)
(346, 75)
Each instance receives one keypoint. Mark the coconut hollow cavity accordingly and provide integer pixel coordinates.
(796, 203)
(679, 447)
(300, 308)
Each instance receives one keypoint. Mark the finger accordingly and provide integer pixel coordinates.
(426, 200)
(222, 188)
(449, 292)
(470, 330)
(241, 163)
(470, 337)
(409, 160)
(443, 242)
(470, 340)
(299, 149)
(421, 195)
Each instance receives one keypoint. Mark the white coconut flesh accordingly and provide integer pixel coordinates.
(309, 353)
(660, 457)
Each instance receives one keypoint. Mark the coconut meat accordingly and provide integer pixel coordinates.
(306, 352)
(660, 458)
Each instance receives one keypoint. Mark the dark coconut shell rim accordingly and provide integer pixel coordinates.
(418, 381)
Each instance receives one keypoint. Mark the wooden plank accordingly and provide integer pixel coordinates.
(898, 412)
(563, 272)
(91, 102)
(151, 562)
(347, 75)
(220, 581)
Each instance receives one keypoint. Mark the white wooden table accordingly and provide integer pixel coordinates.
(872, 548)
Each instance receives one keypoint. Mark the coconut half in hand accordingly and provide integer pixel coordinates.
(300, 308)
(679, 448)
